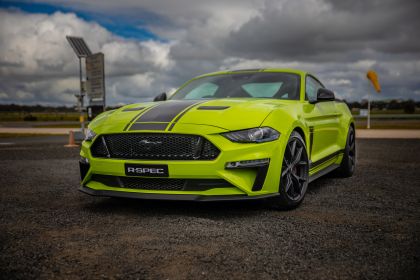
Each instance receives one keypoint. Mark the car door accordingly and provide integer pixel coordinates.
(322, 118)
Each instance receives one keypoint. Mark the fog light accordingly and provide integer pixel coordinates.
(248, 163)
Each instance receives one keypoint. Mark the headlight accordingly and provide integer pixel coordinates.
(89, 135)
(253, 135)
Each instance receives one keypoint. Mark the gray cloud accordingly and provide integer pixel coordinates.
(336, 40)
(324, 31)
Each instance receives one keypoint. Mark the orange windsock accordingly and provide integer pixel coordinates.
(373, 77)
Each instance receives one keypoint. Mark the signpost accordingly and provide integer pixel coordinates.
(95, 77)
(94, 84)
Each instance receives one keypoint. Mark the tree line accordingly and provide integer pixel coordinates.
(408, 106)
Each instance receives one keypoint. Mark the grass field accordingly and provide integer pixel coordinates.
(56, 116)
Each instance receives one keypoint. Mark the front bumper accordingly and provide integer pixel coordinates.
(240, 182)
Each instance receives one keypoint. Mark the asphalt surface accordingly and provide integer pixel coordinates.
(364, 227)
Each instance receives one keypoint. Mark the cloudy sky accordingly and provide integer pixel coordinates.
(152, 46)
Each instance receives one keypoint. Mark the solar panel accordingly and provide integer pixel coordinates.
(79, 46)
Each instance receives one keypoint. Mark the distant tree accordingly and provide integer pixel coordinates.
(409, 106)
(356, 105)
(394, 105)
(364, 104)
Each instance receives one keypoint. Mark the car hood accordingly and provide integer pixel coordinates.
(227, 114)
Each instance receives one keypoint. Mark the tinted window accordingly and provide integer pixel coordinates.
(312, 87)
(246, 85)
(205, 90)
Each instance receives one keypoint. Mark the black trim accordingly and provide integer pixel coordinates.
(84, 168)
(325, 159)
(323, 172)
(260, 178)
(179, 197)
(311, 140)
(166, 111)
(149, 126)
(133, 109)
(248, 70)
(213, 107)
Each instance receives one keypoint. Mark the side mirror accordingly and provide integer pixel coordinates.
(160, 97)
(324, 94)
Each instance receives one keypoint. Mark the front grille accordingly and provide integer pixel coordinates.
(153, 184)
(154, 146)
(163, 184)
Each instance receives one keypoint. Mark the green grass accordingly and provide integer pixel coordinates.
(59, 116)
(62, 125)
(17, 135)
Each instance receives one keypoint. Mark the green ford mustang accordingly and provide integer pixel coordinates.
(248, 134)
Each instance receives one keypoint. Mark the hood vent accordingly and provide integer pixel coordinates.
(212, 107)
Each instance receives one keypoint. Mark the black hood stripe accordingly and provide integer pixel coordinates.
(149, 126)
(165, 111)
(137, 116)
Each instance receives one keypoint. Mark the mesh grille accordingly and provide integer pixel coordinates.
(153, 184)
(164, 184)
(155, 146)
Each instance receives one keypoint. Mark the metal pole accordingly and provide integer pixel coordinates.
(81, 105)
(368, 116)
(104, 98)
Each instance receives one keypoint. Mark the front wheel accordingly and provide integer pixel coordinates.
(294, 174)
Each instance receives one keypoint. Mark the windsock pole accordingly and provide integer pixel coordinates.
(368, 114)
(373, 77)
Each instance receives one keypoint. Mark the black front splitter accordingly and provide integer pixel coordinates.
(179, 197)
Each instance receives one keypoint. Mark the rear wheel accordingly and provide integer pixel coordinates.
(294, 174)
(348, 163)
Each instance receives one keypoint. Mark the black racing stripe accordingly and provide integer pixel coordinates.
(133, 109)
(213, 107)
(149, 126)
(136, 117)
(165, 111)
(325, 159)
(183, 113)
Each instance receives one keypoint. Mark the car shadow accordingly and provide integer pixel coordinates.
(142, 207)
(203, 209)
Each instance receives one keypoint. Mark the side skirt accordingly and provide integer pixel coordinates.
(323, 172)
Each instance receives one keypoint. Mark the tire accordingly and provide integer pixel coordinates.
(294, 174)
(348, 164)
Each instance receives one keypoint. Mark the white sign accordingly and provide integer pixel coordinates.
(363, 112)
(95, 76)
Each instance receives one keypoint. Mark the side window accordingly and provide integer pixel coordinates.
(312, 87)
(205, 90)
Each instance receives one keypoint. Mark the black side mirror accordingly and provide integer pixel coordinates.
(324, 94)
(160, 97)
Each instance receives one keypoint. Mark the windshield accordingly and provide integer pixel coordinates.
(242, 85)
